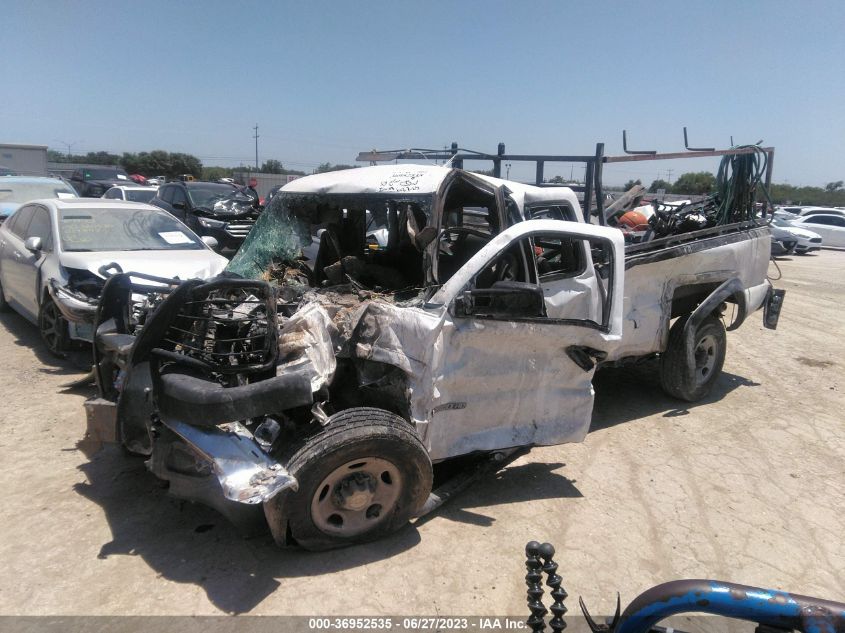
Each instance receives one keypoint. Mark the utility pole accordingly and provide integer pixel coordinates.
(669, 175)
(256, 145)
(508, 171)
(69, 145)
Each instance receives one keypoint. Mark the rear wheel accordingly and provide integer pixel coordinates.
(362, 477)
(53, 327)
(692, 383)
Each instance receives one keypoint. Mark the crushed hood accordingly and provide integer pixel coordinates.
(199, 264)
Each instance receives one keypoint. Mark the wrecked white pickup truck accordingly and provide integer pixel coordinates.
(381, 320)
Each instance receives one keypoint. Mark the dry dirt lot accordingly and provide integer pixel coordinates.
(748, 486)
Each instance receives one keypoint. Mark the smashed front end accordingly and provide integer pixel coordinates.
(227, 375)
(79, 297)
(228, 220)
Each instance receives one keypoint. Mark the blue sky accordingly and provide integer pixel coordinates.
(324, 80)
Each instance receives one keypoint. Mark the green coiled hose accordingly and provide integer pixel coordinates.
(738, 181)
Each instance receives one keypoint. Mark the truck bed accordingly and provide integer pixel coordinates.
(669, 276)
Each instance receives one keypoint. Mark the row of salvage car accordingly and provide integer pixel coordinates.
(56, 253)
(57, 250)
(801, 230)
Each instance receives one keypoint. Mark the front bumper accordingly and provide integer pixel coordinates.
(224, 238)
(808, 246)
(245, 472)
(783, 247)
(231, 233)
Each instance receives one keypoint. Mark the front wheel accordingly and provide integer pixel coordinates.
(693, 382)
(53, 327)
(361, 477)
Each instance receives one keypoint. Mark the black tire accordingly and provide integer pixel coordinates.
(53, 327)
(710, 344)
(4, 305)
(364, 455)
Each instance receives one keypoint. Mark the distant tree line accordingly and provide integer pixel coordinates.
(691, 183)
(274, 166)
(155, 163)
(831, 195)
(94, 158)
(324, 167)
(702, 182)
(173, 164)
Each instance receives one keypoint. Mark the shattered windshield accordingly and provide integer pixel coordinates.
(375, 240)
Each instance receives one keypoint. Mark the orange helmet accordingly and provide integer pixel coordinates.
(633, 221)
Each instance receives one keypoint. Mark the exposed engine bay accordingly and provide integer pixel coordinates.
(305, 322)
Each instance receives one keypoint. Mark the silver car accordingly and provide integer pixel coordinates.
(793, 237)
(55, 256)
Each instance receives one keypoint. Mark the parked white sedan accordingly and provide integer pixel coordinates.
(829, 225)
(54, 255)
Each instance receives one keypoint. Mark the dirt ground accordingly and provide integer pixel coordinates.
(748, 486)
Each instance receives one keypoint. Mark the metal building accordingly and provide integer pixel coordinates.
(23, 160)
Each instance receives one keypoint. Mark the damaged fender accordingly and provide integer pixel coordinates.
(731, 289)
(74, 306)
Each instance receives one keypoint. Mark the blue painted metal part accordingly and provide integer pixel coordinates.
(776, 609)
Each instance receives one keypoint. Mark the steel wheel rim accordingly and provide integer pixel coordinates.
(356, 497)
(706, 351)
(51, 324)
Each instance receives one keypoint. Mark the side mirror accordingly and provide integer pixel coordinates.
(33, 244)
(506, 299)
(179, 205)
(210, 241)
